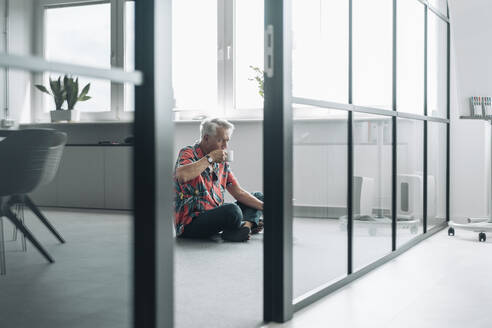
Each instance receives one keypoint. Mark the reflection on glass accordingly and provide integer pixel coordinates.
(410, 61)
(437, 66)
(72, 38)
(248, 29)
(372, 53)
(320, 199)
(371, 188)
(320, 49)
(219, 283)
(195, 53)
(90, 283)
(436, 166)
(129, 53)
(409, 182)
(440, 5)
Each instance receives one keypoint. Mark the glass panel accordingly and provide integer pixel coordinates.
(410, 61)
(440, 5)
(70, 37)
(436, 166)
(320, 49)
(372, 53)
(410, 180)
(371, 188)
(320, 199)
(88, 200)
(437, 67)
(248, 52)
(220, 283)
(195, 54)
(129, 52)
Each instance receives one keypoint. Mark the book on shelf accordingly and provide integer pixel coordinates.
(487, 106)
(476, 106)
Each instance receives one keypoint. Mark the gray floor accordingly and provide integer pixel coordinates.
(442, 282)
(217, 284)
(88, 286)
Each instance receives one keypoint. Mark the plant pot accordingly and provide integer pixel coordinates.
(65, 115)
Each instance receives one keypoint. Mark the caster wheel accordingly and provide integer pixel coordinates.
(414, 230)
(451, 231)
(482, 236)
(373, 231)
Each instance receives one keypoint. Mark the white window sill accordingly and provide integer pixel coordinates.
(74, 123)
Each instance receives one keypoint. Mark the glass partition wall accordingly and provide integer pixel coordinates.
(113, 270)
(77, 270)
(370, 123)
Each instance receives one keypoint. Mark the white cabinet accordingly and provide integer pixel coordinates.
(90, 177)
(80, 178)
(118, 187)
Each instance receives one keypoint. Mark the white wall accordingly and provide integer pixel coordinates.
(471, 72)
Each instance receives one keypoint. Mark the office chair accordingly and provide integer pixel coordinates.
(30, 158)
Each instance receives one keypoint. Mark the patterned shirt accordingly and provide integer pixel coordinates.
(203, 193)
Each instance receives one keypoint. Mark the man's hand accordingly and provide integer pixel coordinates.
(245, 197)
(218, 155)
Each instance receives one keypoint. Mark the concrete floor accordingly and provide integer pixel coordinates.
(442, 282)
(216, 284)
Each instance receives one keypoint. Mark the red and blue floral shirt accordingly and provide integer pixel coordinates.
(203, 193)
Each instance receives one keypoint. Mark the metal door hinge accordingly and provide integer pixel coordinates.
(269, 51)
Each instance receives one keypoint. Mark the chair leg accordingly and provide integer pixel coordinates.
(14, 232)
(15, 221)
(43, 219)
(3, 264)
(22, 218)
(19, 210)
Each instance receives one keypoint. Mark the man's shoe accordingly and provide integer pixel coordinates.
(237, 235)
(257, 228)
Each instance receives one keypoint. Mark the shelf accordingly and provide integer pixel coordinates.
(483, 118)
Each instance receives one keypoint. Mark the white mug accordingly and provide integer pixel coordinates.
(230, 156)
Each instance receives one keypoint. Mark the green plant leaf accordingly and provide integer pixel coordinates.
(58, 92)
(85, 91)
(70, 87)
(84, 98)
(42, 88)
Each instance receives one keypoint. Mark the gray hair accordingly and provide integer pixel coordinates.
(209, 126)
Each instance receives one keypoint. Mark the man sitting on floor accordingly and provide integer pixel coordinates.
(201, 175)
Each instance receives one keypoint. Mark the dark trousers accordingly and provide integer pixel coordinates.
(226, 217)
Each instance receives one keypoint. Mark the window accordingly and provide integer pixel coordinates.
(129, 53)
(195, 54)
(320, 50)
(248, 40)
(68, 36)
(372, 39)
(411, 58)
(437, 66)
(214, 47)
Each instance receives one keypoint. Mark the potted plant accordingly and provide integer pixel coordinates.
(259, 78)
(68, 90)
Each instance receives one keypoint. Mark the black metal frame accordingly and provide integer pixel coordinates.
(277, 257)
(395, 136)
(277, 147)
(152, 172)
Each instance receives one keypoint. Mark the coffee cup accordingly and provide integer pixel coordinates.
(230, 156)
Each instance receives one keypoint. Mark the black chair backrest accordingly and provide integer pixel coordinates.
(29, 158)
